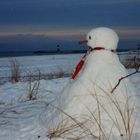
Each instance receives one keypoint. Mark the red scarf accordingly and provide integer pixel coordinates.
(82, 61)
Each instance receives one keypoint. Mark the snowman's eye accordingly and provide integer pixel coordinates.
(90, 37)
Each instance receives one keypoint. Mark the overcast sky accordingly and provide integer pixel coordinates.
(64, 21)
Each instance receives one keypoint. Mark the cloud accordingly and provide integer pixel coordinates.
(30, 40)
(128, 33)
(71, 33)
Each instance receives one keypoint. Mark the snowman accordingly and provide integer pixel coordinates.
(91, 106)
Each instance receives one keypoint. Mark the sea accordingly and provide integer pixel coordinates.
(35, 53)
(16, 53)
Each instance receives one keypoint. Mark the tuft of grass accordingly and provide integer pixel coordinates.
(33, 87)
(15, 70)
(132, 63)
(70, 128)
(121, 114)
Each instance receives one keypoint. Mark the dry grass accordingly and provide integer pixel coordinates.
(132, 62)
(33, 87)
(15, 70)
(70, 127)
(123, 120)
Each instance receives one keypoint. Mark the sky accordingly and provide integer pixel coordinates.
(28, 25)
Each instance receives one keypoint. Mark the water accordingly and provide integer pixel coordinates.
(31, 53)
(16, 53)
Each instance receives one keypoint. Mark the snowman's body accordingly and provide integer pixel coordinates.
(89, 100)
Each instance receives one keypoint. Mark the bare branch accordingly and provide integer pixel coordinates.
(136, 71)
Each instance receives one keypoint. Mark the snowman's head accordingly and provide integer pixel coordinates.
(102, 37)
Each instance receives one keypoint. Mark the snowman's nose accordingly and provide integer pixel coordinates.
(83, 42)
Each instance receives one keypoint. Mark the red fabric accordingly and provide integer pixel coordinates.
(78, 68)
(98, 48)
(81, 63)
(101, 48)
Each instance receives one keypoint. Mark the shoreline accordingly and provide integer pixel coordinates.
(41, 53)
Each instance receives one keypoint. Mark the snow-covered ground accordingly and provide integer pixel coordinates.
(45, 64)
(23, 119)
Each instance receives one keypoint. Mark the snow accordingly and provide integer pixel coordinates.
(21, 118)
(24, 119)
(92, 98)
(103, 37)
(31, 65)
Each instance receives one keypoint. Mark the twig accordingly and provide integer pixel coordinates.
(137, 71)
